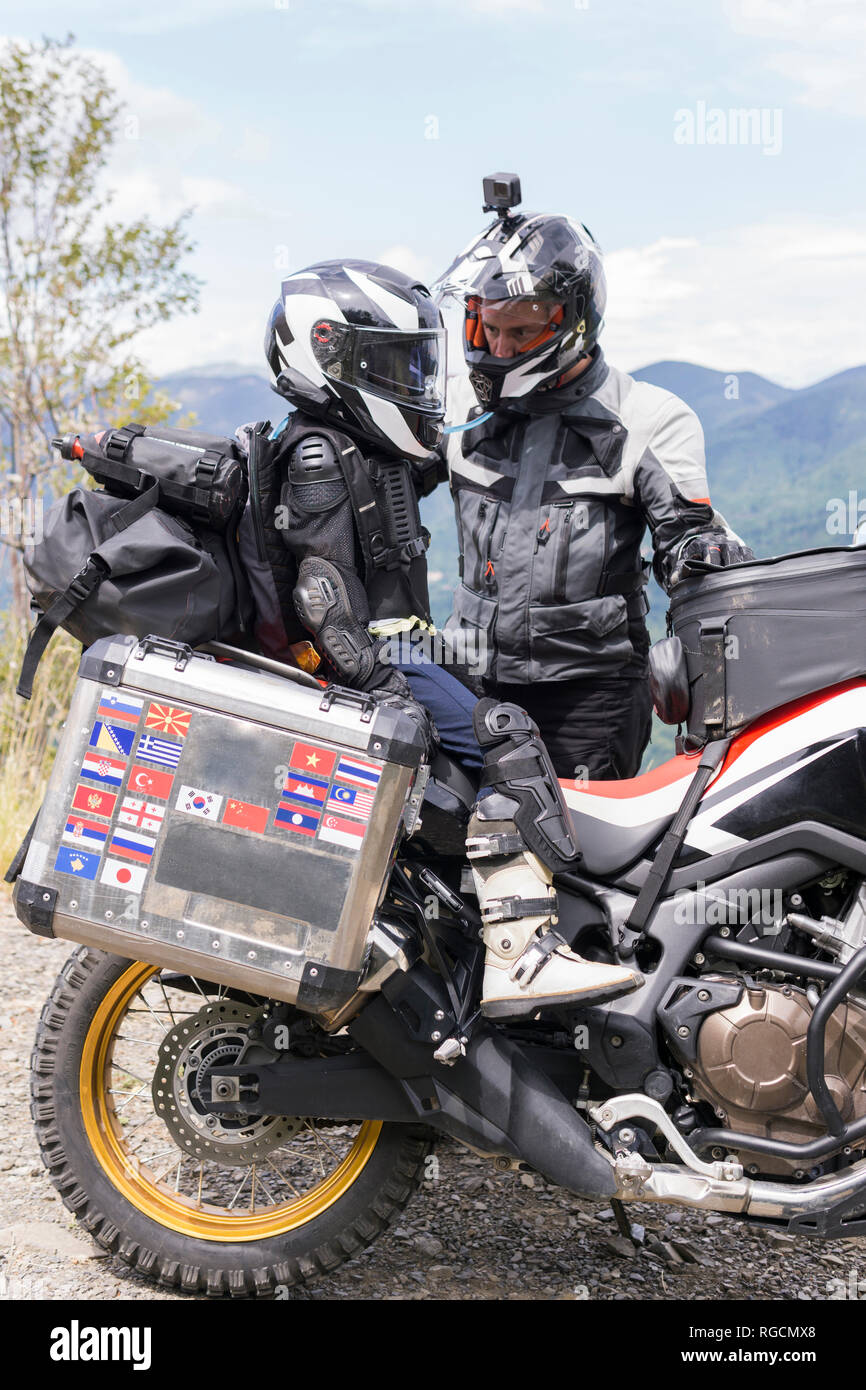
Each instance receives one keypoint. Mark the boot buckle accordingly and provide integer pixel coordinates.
(537, 953)
(513, 907)
(493, 846)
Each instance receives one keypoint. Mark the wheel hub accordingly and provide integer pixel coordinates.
(214, 1037)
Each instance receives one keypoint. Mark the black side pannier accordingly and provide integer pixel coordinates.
(761, 634)
(155, 552)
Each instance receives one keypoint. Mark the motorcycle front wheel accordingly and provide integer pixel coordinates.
(247, 1207)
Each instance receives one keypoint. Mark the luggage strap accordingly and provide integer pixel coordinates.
(79, 588)
(660, 870)
(712, 638)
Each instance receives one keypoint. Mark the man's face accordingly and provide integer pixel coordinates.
(511, 327)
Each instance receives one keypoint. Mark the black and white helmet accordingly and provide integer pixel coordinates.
(365, 344)
(549, 260)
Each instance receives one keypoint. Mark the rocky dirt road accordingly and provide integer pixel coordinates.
(467, 1234)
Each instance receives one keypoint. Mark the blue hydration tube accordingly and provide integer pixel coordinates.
(470, 424)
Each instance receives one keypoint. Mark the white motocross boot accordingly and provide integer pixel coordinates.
(521, 832)
(528, 965)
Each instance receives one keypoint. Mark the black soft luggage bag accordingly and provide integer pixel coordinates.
(761, 634)
(156, 552)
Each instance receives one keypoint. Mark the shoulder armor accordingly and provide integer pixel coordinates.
(314, 459)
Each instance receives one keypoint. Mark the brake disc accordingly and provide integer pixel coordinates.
(214, 1037)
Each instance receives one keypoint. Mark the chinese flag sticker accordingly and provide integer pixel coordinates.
(245, 815)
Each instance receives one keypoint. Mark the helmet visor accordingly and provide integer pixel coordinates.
(407, 368)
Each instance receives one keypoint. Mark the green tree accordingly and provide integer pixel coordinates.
(76, 288)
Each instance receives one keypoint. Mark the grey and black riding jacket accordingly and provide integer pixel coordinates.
(553, 494)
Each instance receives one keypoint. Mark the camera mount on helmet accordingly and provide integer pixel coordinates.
(501, 194)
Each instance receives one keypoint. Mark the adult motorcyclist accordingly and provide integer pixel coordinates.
(564, 464)
(358, 351)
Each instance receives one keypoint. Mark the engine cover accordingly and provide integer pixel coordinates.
(751, 1064)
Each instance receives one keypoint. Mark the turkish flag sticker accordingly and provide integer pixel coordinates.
(150, 783)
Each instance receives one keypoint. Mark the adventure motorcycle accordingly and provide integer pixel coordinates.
(224, 1141)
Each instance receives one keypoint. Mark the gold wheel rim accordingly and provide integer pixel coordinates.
(152, 1197)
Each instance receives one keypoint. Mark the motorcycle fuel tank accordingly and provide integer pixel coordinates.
(221, 820)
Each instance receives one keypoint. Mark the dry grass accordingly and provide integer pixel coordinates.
(29, 730)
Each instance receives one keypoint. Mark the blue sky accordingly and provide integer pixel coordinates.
(301, 130)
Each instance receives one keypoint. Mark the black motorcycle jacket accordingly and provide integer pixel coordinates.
(315, 494)
(553, 494)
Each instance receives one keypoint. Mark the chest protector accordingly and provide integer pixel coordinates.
(392, 543)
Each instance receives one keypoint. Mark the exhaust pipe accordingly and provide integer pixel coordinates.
(493, 1099)
(810, 1209)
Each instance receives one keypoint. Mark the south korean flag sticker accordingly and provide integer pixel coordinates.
(197, 802)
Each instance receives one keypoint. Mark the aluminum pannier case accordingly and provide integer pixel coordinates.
(761, 634)
(221, 820)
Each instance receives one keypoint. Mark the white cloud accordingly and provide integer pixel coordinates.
(409, 261)
(773, 298)
(823, 47)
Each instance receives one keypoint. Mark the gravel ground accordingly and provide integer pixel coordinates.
(467, 1234)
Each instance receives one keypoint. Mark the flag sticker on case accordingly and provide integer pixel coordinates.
(119, 874)
(108, 737)
(90, 833)
(129, 844)
(199, 803)
(355, 800)
(159, 750)
(93, 801)
(100, 769)
(309, 757)
(115, 706)
(309, 791)
(146, 781)
(245, 815)
(338, 831)
(147, 815)
(76, 862)
(168, 720)
(358, 773)
(292, 818)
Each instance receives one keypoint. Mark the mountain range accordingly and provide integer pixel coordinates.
(785, 466)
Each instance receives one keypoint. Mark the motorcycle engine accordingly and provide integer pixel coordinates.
(751, 1065)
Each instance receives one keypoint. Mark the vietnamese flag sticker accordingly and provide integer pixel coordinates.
(309, 757)
(246, 815)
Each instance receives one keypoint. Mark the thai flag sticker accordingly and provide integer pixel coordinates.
(129, 844)
(115, 706)
(159, 750)
(113, 738)
(76, 862)
(360, 774)
(199, 803)
(348, 833)
(290, 818)
(100, 769)
(86, 832)
(309, 791)
(353, 799)
(119, 874)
